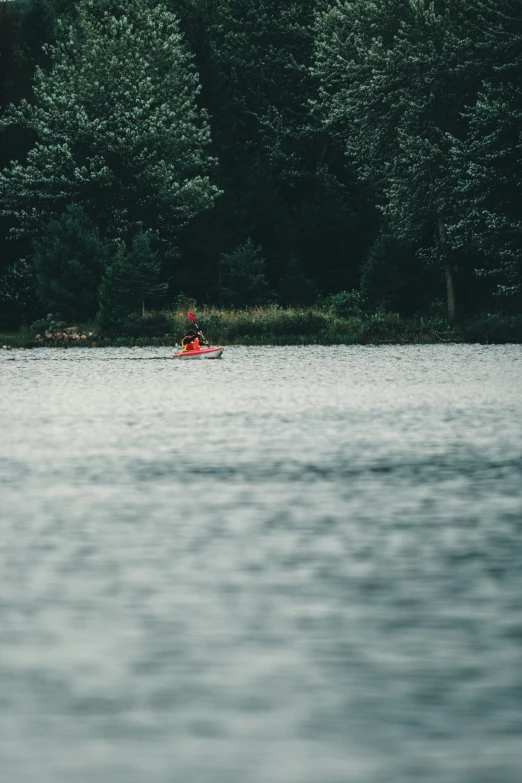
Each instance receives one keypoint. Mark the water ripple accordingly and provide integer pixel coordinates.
(289, 566)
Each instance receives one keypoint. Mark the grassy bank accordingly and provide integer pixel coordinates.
(273, 326)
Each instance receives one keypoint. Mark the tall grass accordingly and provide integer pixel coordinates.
(257, 326)
(277, 326)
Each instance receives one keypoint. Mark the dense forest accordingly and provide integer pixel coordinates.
(245, 153)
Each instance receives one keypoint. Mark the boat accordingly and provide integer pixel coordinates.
(203, 353)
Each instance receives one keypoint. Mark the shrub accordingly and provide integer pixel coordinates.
(51, 323)
(381, 323)
(493, 328)
(345, 304)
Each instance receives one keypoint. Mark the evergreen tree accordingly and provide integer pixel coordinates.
(68, 260)
(421, 95)
(131, 282)
(246, 283)
(117, 124)
(286, 183)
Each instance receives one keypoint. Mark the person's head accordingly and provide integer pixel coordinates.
(191, 333)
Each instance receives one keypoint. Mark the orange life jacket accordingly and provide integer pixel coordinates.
(193, 345)
(190, 343)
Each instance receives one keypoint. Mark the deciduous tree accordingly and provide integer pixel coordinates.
(395, 77)
(487, 164)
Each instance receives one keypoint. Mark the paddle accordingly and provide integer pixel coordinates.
(192, 320)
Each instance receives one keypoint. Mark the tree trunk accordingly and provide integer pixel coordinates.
(143, 307)
(448, 272)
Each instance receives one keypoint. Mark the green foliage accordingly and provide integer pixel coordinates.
(285, 182)
(17, 288)
(117, 125)
(246, 283)
(488, 177)
(411, 109)
(426, 99)
(345, 304)
(69, 259)
(276, 326)
(395, 77)
(261, 325)
(52, 322)
(184, 302)
(130, 282)
(493, 328)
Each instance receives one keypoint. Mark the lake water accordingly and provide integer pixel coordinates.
(292, 565)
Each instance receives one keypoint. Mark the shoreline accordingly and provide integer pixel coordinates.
(8, 343)
(271, 326)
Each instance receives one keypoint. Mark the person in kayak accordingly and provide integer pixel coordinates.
(191, 341)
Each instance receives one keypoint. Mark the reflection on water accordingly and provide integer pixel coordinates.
(289, 566)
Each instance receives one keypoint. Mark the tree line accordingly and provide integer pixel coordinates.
(243, 153)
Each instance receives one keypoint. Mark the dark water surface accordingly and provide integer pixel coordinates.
(293, 565)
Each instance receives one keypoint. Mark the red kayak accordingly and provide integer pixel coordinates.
(203, 353)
